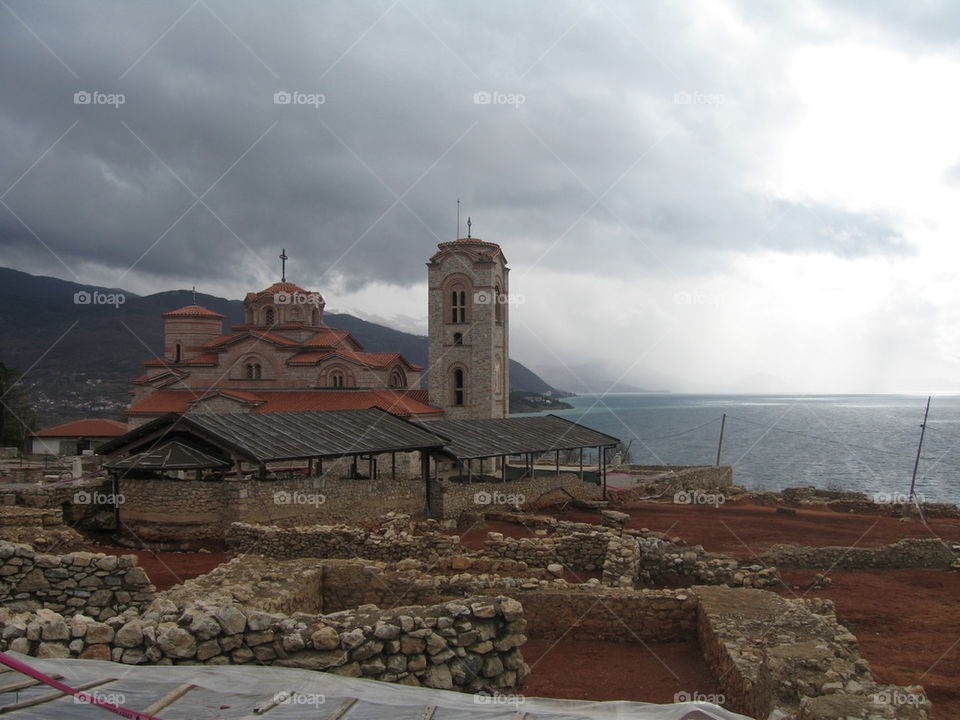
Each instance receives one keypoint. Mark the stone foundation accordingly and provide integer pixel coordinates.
(906, 553)
(94, 584)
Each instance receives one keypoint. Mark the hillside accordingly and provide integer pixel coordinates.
(80, 359)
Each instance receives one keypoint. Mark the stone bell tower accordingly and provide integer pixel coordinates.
(469, 329)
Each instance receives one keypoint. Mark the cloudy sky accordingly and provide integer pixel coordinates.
(701, 196)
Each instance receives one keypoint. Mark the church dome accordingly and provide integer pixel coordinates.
(193, 311)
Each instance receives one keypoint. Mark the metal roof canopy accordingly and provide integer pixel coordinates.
(171, 455)
(265, 437)
(496, 437)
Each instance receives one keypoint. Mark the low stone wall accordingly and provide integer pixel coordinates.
(622, 564)
(906, 553)
(576, 549)
(388, 543)
(770, 653)
(453, 499)
(94, 584)
(42, 528)
(470, 645)
(181, 511)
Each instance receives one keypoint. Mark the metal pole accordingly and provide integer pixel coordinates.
(723, 424)
(916, 464)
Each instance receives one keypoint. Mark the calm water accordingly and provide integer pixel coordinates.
(850, 442)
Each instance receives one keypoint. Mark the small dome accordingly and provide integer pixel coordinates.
(195, 311)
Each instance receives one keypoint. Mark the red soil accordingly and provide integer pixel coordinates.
(599, 670)
(166, 569)
(745, 529)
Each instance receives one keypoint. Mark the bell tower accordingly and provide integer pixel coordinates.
(469, 323)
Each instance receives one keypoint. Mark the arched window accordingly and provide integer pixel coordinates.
(458, 306)
(177, 353)
(293, 314)
(269, 316)
(397, 379)
(498, 376)
(458, 338)
(498, 304)
(336, 380)
(253, 371)
(459, 386)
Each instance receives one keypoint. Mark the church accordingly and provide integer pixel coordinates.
(284, 357)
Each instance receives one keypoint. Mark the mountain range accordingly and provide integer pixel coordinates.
(78, 359)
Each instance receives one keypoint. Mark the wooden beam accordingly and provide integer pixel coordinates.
(51, 696)
(169, 699)
(22, 684)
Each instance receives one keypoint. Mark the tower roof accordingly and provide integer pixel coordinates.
(195, 311)
(282, 287)
(479, 249)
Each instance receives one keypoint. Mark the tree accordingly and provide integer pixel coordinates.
(17, 415)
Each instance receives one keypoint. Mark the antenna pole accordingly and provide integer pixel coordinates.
(916, 464)
(458, 219)
(723, 423)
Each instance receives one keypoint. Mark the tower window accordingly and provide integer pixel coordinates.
(459, 387)
(269, 317)
(498, 304)
(177, 353)
(458, 306)
(458, 338)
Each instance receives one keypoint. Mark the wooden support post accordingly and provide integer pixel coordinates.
(558, 463)
(425, 472)
(393, 465)
(581, 464)
(603, 469)
(503, 468)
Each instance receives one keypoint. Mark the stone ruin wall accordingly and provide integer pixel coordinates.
(456, 499)
(671, 479)
(793, 656)
(92, 583)
(191, 510)
(470, 645)
(906, 553)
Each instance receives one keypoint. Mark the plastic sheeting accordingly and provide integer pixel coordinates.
(234, 691)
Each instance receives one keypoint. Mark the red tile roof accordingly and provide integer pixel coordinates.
(94, 427)
(398, 402)
(370, 359)
(196, 311)
(328, 337)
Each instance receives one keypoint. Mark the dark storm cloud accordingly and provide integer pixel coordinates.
(626, 133)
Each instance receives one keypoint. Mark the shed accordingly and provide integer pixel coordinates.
(77, 437)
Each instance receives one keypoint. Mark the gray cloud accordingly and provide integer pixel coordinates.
(604, 86)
